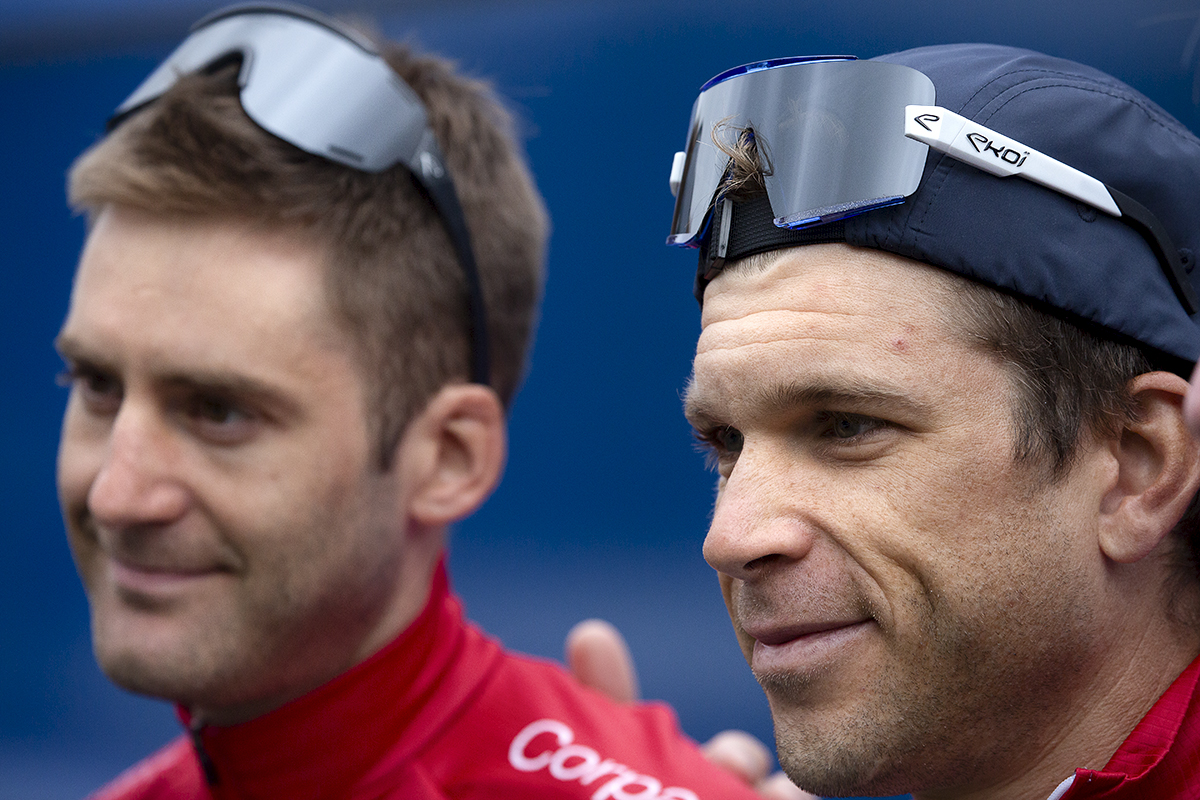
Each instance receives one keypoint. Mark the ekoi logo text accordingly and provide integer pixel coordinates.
(549, 744)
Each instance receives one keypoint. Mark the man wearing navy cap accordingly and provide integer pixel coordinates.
(948, 318)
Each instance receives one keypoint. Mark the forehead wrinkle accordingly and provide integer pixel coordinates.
(791, 326)
(766, 340)
(712, 307)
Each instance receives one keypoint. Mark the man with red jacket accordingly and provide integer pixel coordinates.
(948, 314)
(311, 273)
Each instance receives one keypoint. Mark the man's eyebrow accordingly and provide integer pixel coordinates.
(200, 380)
(226, 383)
(696, 407)
(702, 411)
(78, 355)
(71, 350)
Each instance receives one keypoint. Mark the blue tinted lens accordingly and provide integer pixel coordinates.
(829, 132)
(758, 66)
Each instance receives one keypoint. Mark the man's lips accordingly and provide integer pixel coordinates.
(801, 647)
(156, 577)
(776, 635)
(153, 560)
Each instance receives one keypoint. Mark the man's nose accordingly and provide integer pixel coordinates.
(138, 482)
(760, 518)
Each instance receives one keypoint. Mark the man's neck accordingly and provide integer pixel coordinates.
(414, 584)
(1104, 713)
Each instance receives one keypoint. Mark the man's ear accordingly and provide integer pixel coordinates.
(1158, 470)
(452, 454)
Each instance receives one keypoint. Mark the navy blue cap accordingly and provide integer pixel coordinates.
(1020, 237)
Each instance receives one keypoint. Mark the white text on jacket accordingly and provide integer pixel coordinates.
(550, 744)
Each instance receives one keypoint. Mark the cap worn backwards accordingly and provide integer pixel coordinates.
(1037, 243)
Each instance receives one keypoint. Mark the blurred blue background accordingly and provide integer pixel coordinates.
(605, 503)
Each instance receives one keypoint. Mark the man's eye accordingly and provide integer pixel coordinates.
(100, 391)
(215, 410)
(722, 441)
(729, 439)
(722, 446)
(220, 420)
(850, 426)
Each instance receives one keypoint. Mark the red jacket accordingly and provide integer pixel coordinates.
(1161, 758)
(441, 712)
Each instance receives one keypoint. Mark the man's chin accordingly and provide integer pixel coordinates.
(831, 758)
(145, 675)
(833, 774)
(150, 659)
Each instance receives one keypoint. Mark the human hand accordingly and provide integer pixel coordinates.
(598, 657)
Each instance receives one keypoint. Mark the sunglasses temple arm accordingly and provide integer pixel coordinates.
(1140, 219)
(981, 147)
(428, 166)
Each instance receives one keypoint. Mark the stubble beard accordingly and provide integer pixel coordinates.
(256, 646)
(969, 705)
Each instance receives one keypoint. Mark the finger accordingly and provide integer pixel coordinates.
(741, 754)
(1191, 403)
(780, 787)
(598, 657)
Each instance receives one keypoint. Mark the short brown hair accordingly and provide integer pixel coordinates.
(393, 279)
